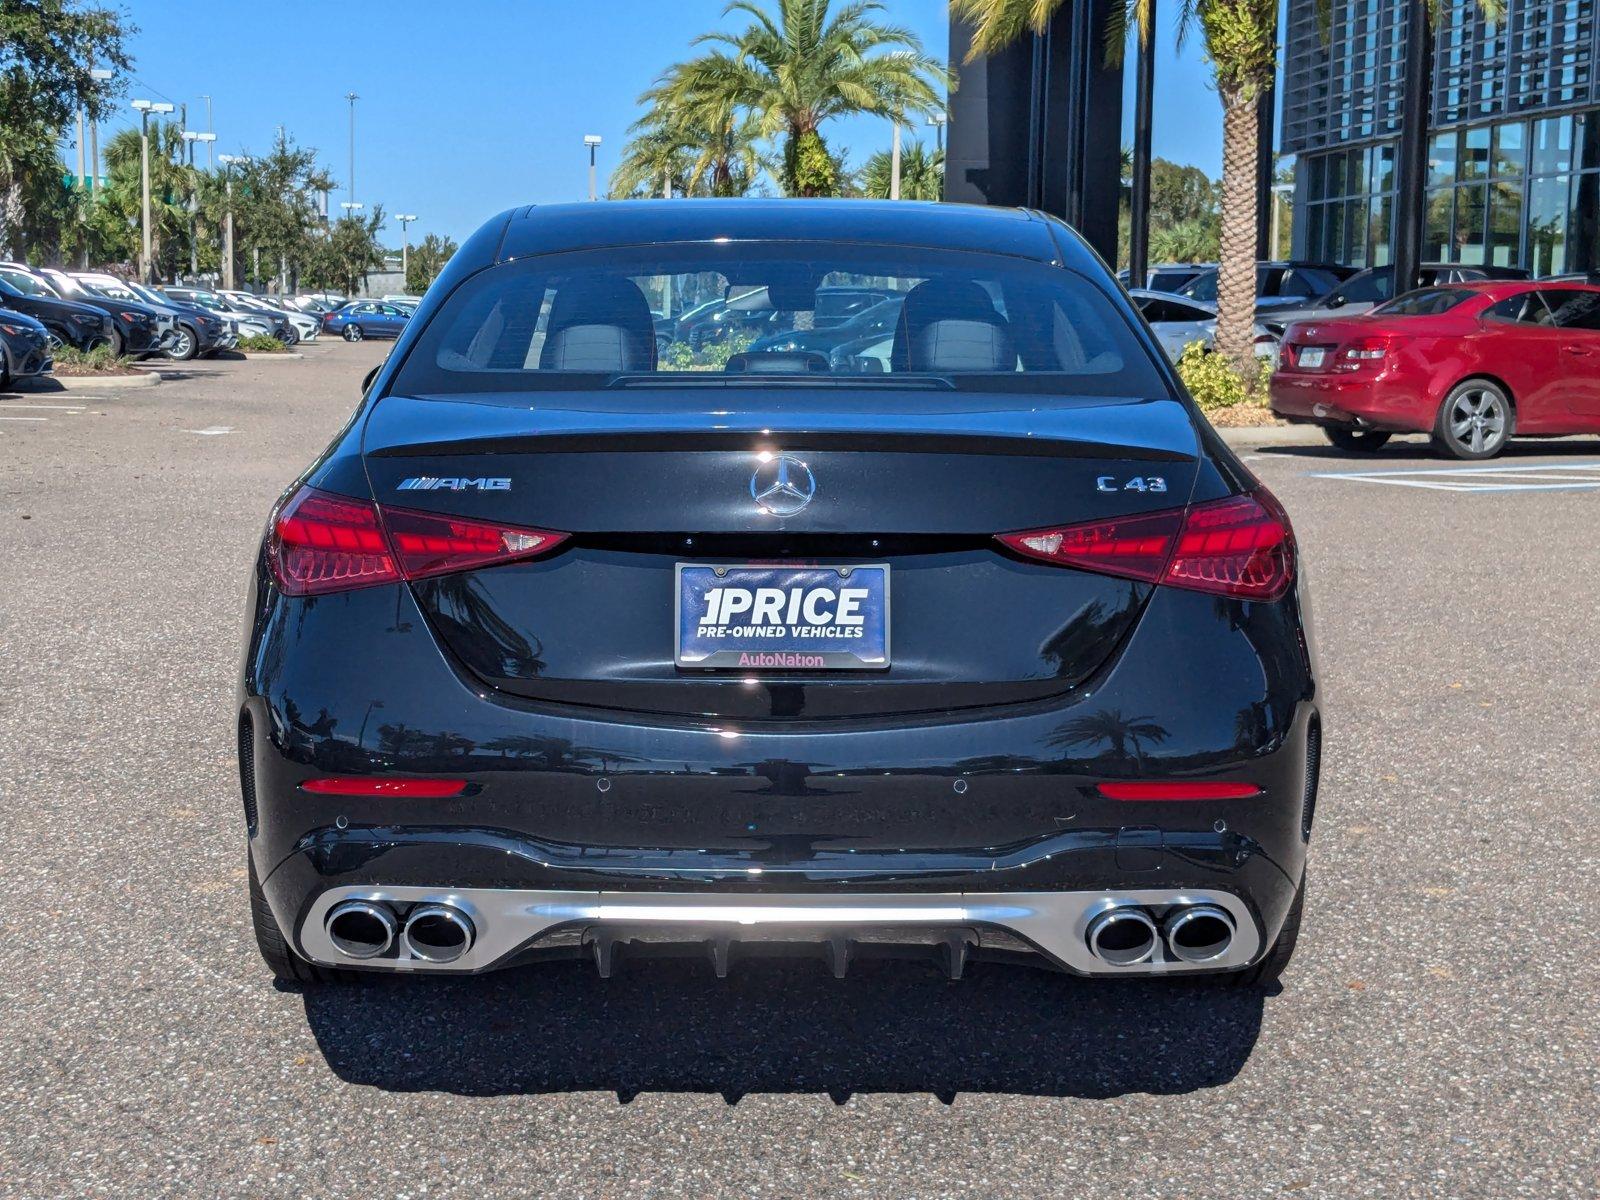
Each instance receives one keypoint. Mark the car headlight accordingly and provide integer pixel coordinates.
(14, 330)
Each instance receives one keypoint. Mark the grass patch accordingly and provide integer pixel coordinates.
(261, 343)
(98, 361)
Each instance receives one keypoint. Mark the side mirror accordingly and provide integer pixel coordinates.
(366, 383)
(1337, 300)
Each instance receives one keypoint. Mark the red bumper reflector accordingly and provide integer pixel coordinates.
(368, 785)
(1178, 790)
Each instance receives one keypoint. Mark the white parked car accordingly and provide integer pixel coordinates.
(1179, 322)
(305, 325)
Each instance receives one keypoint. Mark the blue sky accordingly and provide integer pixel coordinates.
(472, 106)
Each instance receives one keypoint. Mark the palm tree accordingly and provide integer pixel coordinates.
(1241, 44)
(690, 140)
(921, 174)
(796, 66)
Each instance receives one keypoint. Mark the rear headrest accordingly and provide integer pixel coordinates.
(601, 324)
(951, 326)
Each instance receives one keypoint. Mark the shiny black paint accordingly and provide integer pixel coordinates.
(582, 777)
(78, 325)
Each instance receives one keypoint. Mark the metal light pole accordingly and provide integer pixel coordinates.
(211, 150)
(405, 220)
(938, 121)
(228, 161)
(894, 165)
(1143, 119)
(144, 109)
(99, 75)
(352, 97)
(592, 140)
(192, 137)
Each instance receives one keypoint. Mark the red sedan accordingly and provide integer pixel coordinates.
(1471, 364)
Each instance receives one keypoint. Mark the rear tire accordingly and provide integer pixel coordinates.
(1368, 441)
(1266, 972)
(286, 965)
(1475, 421)
(352, 333)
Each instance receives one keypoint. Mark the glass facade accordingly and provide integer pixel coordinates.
(1514, 164)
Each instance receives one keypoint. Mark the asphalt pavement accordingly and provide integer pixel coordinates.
(1435, 1036)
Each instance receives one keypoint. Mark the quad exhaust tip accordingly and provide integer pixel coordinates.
(438, 933)
(1199, 933)
(1123, 936)
(361, 929)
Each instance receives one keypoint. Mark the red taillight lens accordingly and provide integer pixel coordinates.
(1177, 790)
(1363, 352)
(1242, 546)
(326, 543)
(429, 544)
(1137, 547)
(365, 785)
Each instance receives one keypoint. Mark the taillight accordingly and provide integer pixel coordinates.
(326, 543)
(1242, 546)
(377, 785)
(1362, 352)
(1177, 789)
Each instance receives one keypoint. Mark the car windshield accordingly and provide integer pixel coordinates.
(27, 285)
(1425, 302)
(581, 320)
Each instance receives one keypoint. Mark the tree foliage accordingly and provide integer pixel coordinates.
(48, 51)
(921, 173)
(795, 66)
(428, 258)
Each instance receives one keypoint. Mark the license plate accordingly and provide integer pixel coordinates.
(1312, 356)
(754, 618)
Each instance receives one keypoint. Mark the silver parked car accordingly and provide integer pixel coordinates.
(1179, 323)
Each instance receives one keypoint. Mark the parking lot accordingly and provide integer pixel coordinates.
(1434, 1037)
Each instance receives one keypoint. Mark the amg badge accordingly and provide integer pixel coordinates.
(429, 483)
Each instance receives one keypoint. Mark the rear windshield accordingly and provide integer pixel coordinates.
(813, 311)
(1426, 302)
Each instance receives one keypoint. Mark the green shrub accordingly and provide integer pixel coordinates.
(98, 360)
(261, 343)
(680, 356)
(1213, 382)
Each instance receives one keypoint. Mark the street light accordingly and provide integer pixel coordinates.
(144, 108)
(99, 75)
(405, 220)
(352, 97)
(190, 136)
(938, 120)
(350, 209)
(592, 140)
(229, 161)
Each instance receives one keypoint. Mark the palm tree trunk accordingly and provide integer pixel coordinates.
(1236, 278)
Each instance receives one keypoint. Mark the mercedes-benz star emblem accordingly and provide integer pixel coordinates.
(782, 486)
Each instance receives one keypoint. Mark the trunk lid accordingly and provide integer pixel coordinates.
(645, 479)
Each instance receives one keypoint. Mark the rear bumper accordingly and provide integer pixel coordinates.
(585, 804)
(1381, 401)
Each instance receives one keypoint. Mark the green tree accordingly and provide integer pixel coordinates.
(276, 209)
(796, 66)
(695, 144)
(428, 258)
(342, 257)
(48, 49)
(921, 173)
(120, 204)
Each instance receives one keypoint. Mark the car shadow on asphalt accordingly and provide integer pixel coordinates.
(784, 1026)
(1417, 451)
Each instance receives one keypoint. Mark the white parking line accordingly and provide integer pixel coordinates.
(24, 418)
(1538, 477)
(7, 407)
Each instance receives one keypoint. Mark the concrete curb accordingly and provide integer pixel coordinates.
(269, 355)
(86, 383)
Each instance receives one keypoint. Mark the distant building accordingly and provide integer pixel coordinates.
(1514, 161)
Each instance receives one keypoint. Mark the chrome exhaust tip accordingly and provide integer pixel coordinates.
(361, 929)
(1199, 933)
(1122, 936)
(438, 933)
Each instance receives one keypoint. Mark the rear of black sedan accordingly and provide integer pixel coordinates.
(976, 640)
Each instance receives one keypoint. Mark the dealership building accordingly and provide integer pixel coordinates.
(1513, 173)
(1514, 157)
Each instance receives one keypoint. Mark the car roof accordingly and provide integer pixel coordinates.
(551, 228)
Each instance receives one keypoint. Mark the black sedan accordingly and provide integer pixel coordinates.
(67, 323)
(990, 647)
(25, 349)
